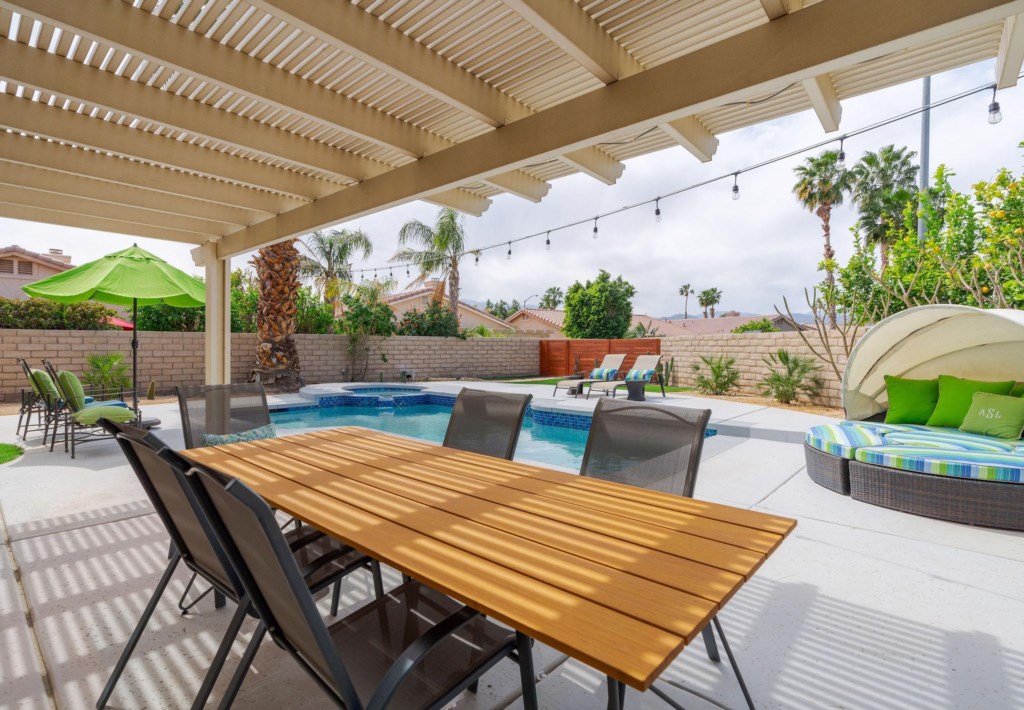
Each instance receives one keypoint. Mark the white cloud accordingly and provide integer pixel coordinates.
(755, 250)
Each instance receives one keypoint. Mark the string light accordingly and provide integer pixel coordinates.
(994, 114)
(476, 260)
(547, 241)
(657, 209)
(841, 159)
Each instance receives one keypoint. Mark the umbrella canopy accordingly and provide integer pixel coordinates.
(126, 278)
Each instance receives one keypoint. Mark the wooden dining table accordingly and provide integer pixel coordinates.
(618, 577)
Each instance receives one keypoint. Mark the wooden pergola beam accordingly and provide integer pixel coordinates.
(822, 93)
(460, 200)
(774, 9)
(568, 25)
(1011, 52)
(693, 135)
(817, 40)
(144, 35)
(38, 119)
(521, 185)
(595, 163)
(65, 218)
(36, 68)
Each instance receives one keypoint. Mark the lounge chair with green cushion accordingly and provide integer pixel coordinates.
(32, 402)
(80, 419)
(53, 403)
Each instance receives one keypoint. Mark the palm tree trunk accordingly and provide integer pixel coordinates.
(686, 306)
(453, 287)
(883, 255)
(825, 212)
(277, 274)
(705, 311)
(712, 310)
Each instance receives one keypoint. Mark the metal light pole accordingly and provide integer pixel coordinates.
(926, 135)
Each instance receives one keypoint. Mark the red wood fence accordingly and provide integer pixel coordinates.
(558, 357)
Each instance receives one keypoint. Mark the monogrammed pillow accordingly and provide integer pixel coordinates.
(995, 415)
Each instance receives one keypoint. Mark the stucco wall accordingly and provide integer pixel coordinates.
(177, 358)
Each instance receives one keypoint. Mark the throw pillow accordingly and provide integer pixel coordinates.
(603, 373)
(955, 396)
(1018, 390)
(995, 415)
(910, 401)
(635, 374)
(267, 431)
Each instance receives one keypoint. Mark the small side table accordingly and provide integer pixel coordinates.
(636, 390)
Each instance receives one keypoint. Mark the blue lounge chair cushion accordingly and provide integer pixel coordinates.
(603, 373)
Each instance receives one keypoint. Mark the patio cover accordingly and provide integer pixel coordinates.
(928, 341)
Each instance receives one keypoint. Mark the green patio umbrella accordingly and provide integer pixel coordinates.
(132, 277)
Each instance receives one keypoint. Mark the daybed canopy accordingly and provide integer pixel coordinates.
(928, 341)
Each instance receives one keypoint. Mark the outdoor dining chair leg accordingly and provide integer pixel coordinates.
(336, 598)
(243, 667)
(710, 646)
(222, 655)
(133, 640)
(378, 579)
(732, 661)
(527, 674)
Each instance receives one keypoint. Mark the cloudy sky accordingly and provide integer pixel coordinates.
(755, 250)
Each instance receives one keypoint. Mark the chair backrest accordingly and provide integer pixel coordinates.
(47, 387)
(487, 422)
(645, 445)
(162, 475)
(612, 362)
(31, 379)
(71, 390)
(271, 577)
(646, 362)
(221, 409)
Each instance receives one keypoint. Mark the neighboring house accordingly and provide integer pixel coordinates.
(548, 323)
(469, 316)
(20, 267)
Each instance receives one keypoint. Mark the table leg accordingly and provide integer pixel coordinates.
(616, 695)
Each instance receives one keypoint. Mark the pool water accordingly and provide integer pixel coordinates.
(541, 443)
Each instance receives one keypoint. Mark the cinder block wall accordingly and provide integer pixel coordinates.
(177, 358)
(749, 349)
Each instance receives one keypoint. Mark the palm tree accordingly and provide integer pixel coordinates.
(435, 251)
(883, 183)
(709, 298)
(685, 291)
(277, 277)
(820, 186)
(328, 261)
(552, 298)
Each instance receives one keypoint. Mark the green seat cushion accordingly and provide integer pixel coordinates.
(955, 396)
(45, 383)
(72, 387)
(1018, 390)
(91, 415)
(995, 415)
(910, 401)
(267, 431)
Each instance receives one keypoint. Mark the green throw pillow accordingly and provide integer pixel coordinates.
(910, 401)
(1018, 390)
(995, 415)
(955, 397)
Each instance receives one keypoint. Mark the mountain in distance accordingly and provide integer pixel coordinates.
(799, 317)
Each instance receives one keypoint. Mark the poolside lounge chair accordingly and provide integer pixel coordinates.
(645, 369)
(414, 648)
(487, 422)
(81, 418)
(608, 370)
(658, 448)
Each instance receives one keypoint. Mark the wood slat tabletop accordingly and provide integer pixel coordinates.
(621, 578)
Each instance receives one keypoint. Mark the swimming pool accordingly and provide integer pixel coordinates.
(541, 443)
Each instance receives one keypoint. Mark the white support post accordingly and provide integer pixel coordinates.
(218, 316)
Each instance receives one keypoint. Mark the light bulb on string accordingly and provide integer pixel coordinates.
(657, 209)
(476, 259)
(407, 270)
(841, 158)
(994, 114)
(595, 227)
(547, 242)
(508, 257)
(735, 186)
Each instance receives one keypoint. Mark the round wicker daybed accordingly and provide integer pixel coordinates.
(939, 473)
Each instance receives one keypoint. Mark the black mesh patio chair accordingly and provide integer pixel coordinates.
(221, 409)
(324, 561)
(414, 648)
(658, 448)
(487, 422)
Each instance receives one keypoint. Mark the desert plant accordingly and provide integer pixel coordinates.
(479, 331)
(105, 372)
(665, 369)
(790, 377)
(721, 376)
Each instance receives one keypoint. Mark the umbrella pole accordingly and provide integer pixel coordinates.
(135, 358)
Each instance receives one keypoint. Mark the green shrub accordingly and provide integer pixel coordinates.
(437, 320)
(162, 317)
(791, 376)
(105, 372)
(761, 325)
(40, 314)
(721, 376)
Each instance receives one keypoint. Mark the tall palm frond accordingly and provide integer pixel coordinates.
(327, 260)
(435, 252)
(883, 183)
(820, 186)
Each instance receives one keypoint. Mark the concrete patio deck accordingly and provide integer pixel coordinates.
(861, 607)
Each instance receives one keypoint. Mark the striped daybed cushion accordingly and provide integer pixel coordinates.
(979, 465)
(846, 437)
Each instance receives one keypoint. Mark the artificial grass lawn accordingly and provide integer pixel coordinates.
(552, 381)
(9, 452)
